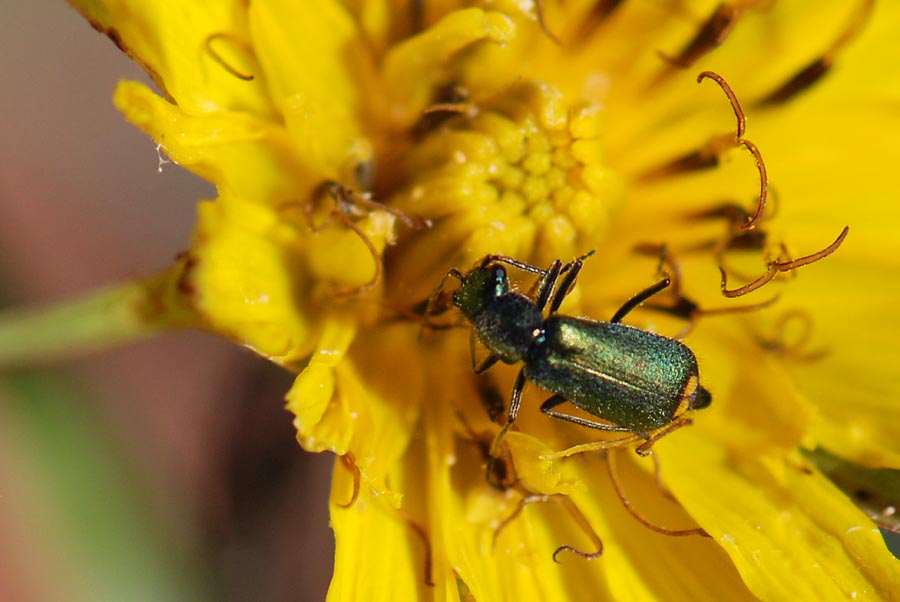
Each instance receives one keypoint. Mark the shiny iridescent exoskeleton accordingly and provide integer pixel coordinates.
(633, 380)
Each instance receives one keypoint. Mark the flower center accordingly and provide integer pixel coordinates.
(522, 175)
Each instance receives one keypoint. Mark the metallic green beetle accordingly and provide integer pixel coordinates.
(635, 381)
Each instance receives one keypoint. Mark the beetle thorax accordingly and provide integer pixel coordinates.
(508, 325)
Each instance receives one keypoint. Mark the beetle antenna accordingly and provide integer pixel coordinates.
(429, 308)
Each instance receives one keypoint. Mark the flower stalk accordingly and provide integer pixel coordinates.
(101, 319)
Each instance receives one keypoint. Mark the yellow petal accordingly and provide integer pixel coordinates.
(198, 53)
(242, 275)
(465, 513)
(851, 306)
(316, 69)
(366, 416)
(307, 48)
(756, 405)
(240, 153)
(791, 534)
(394, 572)
(313, 390)
(413, 67)
(644, 565)
(326, 133)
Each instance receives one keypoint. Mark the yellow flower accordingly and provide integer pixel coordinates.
(541, 131)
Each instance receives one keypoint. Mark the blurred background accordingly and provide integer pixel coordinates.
(166, 470)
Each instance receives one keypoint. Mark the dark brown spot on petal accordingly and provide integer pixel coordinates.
(802, 80)
(596, 16)
(710, 36)
(114, 35)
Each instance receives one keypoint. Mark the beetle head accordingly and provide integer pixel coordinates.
(479, 287)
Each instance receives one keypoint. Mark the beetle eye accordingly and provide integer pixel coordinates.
(501, 282)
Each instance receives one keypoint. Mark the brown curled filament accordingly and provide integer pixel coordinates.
(539, 10)
(681, 306)
(501, 475)
(347, 205)
(709, 155)
(220, 60)
(775, 267)
(793, 349)
(573, 511)
(350, 464)
(741, 141)
(422, 534)
(620, 491)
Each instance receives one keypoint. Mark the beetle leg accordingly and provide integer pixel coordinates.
(552, 402)
(514, 404)
(593, 446)
(566, 286)
(640, 298)
(681, 306)
(546, 284)
(485, 364)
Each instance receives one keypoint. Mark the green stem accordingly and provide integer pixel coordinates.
(101, 319)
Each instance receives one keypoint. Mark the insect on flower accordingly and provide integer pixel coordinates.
(634, 381)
